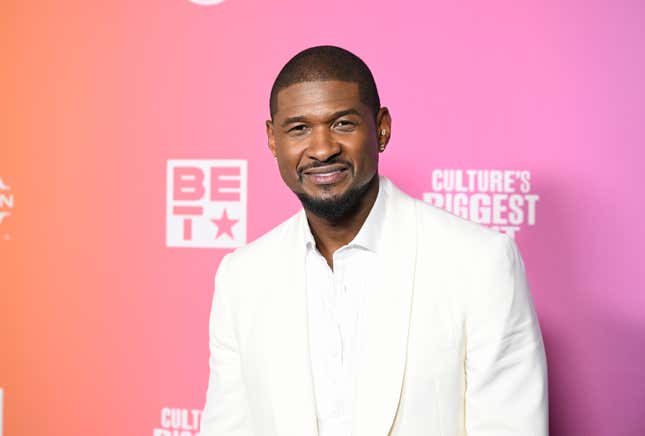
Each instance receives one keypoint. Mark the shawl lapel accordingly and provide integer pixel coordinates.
(382, 364)
(288, 365)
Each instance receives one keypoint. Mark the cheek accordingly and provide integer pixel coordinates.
(288, 162)
(288, 176)
(368, 158)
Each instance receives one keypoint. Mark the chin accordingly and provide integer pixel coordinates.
(334, 206)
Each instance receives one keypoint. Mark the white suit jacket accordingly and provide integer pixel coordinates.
(453, 347)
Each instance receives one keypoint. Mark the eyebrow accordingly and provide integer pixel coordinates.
(333, 116)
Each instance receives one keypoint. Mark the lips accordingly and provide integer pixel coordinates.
(327, 174)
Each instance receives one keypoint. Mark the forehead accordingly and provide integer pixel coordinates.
(317, 98)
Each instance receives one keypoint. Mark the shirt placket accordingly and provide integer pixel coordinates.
(338, 347)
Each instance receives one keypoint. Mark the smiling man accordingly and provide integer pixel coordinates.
(368, 312)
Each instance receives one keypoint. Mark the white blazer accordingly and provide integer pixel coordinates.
(453, 347)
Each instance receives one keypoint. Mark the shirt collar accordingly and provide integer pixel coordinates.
(369, 235)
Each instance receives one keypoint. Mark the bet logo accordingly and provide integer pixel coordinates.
(206, 203)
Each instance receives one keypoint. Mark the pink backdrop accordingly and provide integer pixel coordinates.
(103, 326)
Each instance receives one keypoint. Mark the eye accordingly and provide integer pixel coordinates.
(344, 125)
(297, 130)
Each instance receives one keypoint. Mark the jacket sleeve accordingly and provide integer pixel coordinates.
(226, 412)
(506, 374)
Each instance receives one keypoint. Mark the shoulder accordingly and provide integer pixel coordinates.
(439, 227)
(451, 245)
(267, 247)
(472, 265)
(245, 274)
(445, 227)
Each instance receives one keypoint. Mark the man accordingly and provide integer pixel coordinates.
(368, 312)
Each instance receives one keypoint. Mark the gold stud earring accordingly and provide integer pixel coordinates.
(383, 132)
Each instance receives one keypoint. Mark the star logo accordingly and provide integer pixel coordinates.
(224, 225)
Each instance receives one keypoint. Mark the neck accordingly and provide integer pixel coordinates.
(331, 235)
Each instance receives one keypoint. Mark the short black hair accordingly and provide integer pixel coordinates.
(327, 62)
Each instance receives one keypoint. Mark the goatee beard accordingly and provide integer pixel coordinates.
(337, 208)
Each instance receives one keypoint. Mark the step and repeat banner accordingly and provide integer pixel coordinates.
(133, 157)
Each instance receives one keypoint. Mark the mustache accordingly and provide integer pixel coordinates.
(332, 161)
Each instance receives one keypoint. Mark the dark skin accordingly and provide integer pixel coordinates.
(326, 142)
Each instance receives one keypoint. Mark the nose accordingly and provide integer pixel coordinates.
(322, 145)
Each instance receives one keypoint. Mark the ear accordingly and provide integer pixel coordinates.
(271, 137)
(383, 127)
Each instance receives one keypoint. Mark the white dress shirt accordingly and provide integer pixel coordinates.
(336, 307)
